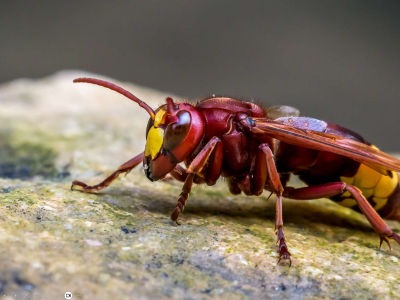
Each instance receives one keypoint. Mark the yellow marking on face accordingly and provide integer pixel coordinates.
(159, 118)
(155, 138)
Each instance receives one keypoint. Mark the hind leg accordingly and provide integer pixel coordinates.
(336, 188)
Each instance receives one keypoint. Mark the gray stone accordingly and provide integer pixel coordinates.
(120, 244)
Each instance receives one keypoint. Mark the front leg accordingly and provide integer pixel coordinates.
(124, 168)
(196, 166)
(276, 185)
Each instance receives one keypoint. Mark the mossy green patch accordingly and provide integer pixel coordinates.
(26, 159)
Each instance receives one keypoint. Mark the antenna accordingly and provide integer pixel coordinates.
(119, 90)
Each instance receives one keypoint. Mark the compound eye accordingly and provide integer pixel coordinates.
(176, 132)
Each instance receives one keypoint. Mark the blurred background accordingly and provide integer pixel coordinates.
(334, 60)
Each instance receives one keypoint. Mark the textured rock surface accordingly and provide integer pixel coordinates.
(120, 243)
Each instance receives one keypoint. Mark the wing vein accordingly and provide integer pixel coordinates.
(363, 153)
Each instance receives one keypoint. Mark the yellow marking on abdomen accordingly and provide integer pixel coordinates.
(373, 185)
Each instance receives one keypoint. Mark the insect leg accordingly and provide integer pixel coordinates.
(124, 168)
(337, 188)
(277, 187)
(195, 167)
(179, 173)
(183, 197)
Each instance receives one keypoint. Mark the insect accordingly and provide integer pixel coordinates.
(257, 150)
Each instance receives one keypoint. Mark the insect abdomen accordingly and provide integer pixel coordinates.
(379, 189)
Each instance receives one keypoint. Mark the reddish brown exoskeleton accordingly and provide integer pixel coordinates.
(257, 150)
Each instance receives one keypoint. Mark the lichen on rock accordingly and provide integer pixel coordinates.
(120, 243)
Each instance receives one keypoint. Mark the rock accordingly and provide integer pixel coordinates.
(120, 244)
